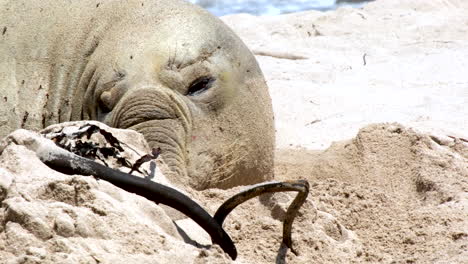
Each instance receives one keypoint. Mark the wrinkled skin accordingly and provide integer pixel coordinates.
(165, 68)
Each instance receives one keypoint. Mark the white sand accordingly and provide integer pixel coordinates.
(416, 70)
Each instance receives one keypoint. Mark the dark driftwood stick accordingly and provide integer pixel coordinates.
(67, 162)
(300, 186)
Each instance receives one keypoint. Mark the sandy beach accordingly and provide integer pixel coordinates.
(370, 107)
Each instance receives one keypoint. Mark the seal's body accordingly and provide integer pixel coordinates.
(165, 68)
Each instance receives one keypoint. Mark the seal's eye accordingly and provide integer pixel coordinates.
(200, 85)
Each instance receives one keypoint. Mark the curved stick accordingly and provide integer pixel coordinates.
(301, 186)
(68, 162)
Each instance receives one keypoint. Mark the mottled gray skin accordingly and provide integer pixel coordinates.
(130, 64)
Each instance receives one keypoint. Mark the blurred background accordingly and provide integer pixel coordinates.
(272, 7)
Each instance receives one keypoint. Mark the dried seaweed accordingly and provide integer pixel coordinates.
(300, 186)
(145, 158)
(111, 149)
(113, 141)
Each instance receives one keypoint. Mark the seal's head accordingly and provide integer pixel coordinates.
(181, 77)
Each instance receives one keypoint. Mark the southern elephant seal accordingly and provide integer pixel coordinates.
(165, 68)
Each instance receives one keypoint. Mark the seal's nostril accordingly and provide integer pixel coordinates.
(105, 104)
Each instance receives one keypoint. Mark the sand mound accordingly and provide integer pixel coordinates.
(389, 194)
(50, 217)
(402, 192)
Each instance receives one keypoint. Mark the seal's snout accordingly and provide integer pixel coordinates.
(162, 117)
